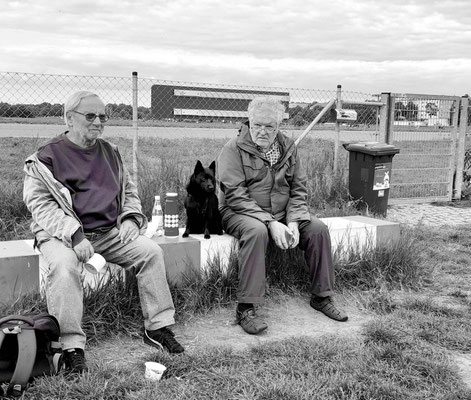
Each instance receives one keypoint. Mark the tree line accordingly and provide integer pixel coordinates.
(118, 111)
(298, 115)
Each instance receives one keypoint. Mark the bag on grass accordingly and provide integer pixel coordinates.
(29, 347)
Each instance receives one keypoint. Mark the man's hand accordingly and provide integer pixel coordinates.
(128, 231)
(84, 250)
(294, 228)
(281, 234)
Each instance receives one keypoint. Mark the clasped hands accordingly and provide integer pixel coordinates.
(284, 236)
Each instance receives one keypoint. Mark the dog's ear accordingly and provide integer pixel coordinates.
(198, 167)
(213, 167)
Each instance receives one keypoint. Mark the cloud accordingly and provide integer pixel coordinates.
(366, 44)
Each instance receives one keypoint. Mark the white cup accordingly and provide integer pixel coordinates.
(96, 264)
(154, 370)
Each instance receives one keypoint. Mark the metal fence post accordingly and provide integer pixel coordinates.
(338, 105)
(135, 127)
(384, 118)
(460, 153)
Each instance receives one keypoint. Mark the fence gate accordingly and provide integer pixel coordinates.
(425, 130)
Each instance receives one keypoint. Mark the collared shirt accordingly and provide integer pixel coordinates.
(273, 154)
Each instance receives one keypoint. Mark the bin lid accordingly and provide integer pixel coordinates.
(372, 148)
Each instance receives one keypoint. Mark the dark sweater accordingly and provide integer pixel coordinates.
(90, 174)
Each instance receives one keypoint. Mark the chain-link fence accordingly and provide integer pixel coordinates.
(32, 105)
(38, 100)
(425, 129)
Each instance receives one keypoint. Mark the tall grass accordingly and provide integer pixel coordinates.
(14, 216)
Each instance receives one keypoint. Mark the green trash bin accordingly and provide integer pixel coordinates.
(369, 178)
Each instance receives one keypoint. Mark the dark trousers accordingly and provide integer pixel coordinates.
(253, 236)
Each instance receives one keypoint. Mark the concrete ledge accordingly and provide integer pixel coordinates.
(19, 270)
(22, 270)
(181, 256)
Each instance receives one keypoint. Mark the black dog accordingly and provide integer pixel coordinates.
(201, 203)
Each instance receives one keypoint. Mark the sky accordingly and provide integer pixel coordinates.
(421, 46)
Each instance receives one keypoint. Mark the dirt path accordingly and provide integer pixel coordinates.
(286, 317)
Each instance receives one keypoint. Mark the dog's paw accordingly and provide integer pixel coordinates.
(185, 234)
(207, 236)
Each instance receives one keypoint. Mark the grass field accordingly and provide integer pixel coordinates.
(411, 348)
(419, 297)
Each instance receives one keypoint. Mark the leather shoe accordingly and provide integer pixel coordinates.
(326, 306)
(250, 322)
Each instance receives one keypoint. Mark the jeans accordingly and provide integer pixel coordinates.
(64, 291)
(253, 235)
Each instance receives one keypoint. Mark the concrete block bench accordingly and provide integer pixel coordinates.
(22, 269)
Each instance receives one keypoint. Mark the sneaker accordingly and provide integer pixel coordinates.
(73, 361)
(250, 322)
(326, 306)
(163, 338)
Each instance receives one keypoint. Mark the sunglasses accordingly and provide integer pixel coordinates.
(90, 117)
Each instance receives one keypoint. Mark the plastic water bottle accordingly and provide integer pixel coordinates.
(158, 217)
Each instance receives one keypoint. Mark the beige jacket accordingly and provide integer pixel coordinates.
(50, 202)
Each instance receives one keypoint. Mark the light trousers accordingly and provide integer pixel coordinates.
(253, 236)
(64, 289)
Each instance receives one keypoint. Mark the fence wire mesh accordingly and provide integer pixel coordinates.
(38, 99)
(424, 129)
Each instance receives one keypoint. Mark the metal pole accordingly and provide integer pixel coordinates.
(315, 121)
(338, 105)
(384, 117)
(135, 127)
(460, 153)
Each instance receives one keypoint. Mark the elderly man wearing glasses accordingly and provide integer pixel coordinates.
(82, 201)
(263, 195)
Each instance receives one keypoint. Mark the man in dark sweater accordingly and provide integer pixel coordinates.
(82, 201)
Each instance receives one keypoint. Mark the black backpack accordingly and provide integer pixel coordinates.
(29, 347)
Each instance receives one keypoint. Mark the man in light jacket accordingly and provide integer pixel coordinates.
(82, 201)
(263, 195)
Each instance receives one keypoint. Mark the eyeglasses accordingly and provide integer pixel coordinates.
(267, 128)
(90, 117)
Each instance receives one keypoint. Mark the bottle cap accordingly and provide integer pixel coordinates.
(157, 197)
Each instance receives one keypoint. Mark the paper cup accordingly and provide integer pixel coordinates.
(154, 370)
(96, 264)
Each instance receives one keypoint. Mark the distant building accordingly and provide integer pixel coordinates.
(205, 103)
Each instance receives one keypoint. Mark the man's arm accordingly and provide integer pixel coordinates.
(45, 210)
(231, 178)
(297, 209)
(131, 209)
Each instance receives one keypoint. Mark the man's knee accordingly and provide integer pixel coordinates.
(316, 227)
(257, 231)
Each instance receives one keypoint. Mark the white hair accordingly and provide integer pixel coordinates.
(267, 103)
(74, 100)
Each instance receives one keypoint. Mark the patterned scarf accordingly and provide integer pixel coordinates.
(273, 154)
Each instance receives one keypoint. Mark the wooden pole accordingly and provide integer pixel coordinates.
(315, 121)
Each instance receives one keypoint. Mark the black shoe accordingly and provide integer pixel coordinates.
(73, 361)
(163, 338)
